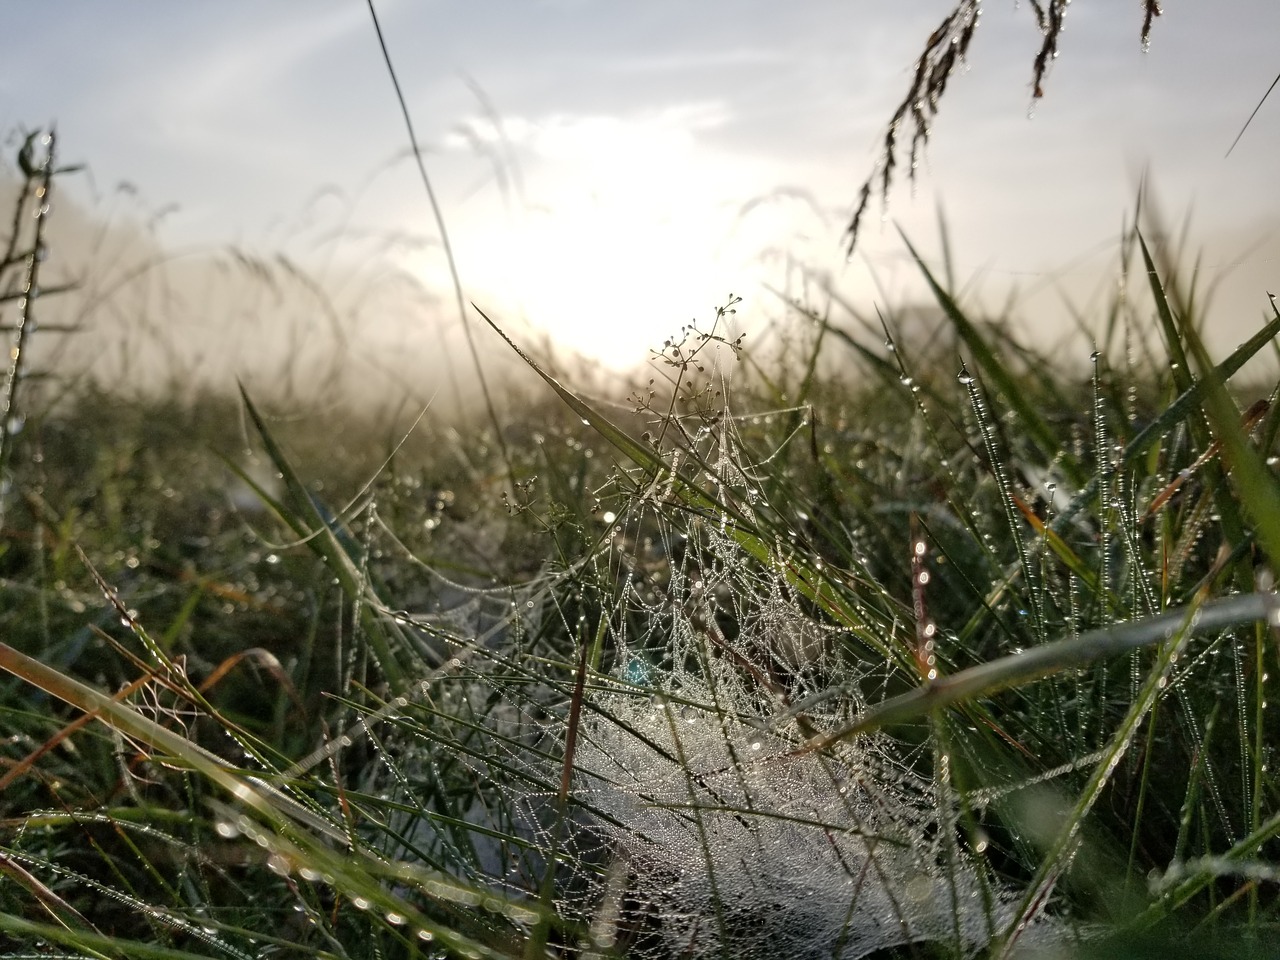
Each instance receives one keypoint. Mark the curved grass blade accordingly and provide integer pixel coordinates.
(1175, 894)
(1216, 404)
(301, 514)
(1036, 426)
(129, 722)
(99, 943)
(1258, 489)
(1037, 662)
(1175, 413)
(353, 873)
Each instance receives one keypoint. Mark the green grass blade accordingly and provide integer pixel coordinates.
(1066, 843)
(633, 450)
(1217, 405)
(1257, 485)
(1168, 326)
(98, 944)
(1037, 428)
(1181, 409)
(120, 716)
(1037, 662)
(299, 511)
(353, 873)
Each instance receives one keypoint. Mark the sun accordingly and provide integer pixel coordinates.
(610, 284)
(623, 238)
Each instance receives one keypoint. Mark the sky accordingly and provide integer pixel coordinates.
(608, 171)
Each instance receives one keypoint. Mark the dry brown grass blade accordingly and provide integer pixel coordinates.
(58, 908)
(1252, 417)
(263, 658)
(571, 733)
(21, 767)
(250, 793)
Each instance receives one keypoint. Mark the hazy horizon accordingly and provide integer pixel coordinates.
(608, 174)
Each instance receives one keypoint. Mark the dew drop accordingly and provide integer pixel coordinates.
(279, 864)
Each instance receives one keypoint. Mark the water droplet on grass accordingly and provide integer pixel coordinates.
(279, 864)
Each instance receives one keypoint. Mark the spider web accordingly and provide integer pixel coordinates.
(700, 824)
(734, 838)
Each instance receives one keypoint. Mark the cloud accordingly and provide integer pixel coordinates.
(698, 59)
(596, 137)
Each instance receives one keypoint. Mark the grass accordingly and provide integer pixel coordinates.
(953, 654)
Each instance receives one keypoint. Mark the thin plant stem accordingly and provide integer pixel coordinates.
(445, 245)
(42, 177)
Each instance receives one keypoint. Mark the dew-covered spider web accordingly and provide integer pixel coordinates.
(645, 739)
(698, 820)
(737, 840)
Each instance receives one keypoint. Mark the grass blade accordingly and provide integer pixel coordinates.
(1035, 425)
(299, 511)
(1037, 662)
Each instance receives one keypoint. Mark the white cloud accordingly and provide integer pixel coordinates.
(596, 138)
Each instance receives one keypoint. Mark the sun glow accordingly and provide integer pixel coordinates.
(627, 230)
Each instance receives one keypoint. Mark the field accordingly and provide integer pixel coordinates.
(871, 646)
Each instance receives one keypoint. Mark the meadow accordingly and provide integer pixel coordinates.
(875, 645)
